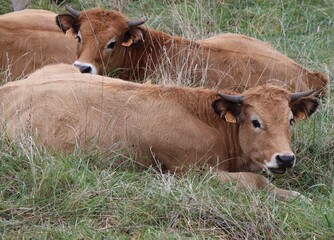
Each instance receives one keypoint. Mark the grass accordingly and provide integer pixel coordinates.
(45, 195)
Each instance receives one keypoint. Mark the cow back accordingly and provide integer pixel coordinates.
(29, 40)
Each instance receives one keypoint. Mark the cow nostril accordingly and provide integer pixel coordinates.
(285, 160)
(85, 69)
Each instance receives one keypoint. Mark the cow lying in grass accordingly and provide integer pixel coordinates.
(178, 127)
(109, 41)
(30, 39)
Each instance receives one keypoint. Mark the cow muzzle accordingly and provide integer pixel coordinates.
(85, 67)
(281, 162)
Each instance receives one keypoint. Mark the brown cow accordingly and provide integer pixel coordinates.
(30, 39)
(179, 127)
(109, 41)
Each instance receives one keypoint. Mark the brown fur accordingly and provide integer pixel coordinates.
(29, 40)
(222, 61)
(179, 126)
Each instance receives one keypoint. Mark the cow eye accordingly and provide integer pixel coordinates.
(111, 45)
(78, 38)
(292, 122)
(256, 124)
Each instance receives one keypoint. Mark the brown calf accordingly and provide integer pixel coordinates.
(179, 127)
(108, 41)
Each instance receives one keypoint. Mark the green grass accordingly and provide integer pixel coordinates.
(86, 196)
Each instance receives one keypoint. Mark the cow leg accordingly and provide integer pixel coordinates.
(254, 181)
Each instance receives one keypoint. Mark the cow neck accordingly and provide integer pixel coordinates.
(159, 42)
(198, 101)
(157, 47)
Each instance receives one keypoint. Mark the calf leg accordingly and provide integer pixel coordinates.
(254, 181)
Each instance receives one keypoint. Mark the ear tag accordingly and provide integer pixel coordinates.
(230, 118)
(127, 43)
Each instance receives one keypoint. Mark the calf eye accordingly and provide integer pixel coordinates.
(292, 121)
(111, 45)
(256, 124)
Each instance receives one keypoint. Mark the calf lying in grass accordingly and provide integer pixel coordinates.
(175, 127)
(109, 41)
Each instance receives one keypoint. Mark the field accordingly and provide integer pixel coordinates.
(85, 196)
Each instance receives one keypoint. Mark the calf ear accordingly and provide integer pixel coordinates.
(304, 107)
(231, 112)
(132, 37)
(66, 22)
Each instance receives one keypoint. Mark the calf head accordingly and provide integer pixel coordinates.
(265, 116)
(102, 36)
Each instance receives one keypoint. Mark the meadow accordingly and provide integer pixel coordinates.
(45, 195)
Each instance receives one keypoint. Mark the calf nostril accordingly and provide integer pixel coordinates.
(285, 160)
(85, 69)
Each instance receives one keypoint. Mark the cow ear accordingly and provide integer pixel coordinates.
(304, 107)
(66, 22)
(132, 37)
(230, 112)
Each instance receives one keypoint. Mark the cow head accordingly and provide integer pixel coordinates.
(265, 116)
(102, 38)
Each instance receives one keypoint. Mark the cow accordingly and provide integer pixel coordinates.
(173, 127)
(30, 39)
(110, 43)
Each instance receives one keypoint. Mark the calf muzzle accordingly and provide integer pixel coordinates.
(85, 67)
(283, 161)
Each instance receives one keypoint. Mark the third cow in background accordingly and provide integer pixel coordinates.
(29, 40)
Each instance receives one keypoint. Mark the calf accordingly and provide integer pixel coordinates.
(108, 42)
(178, 127)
